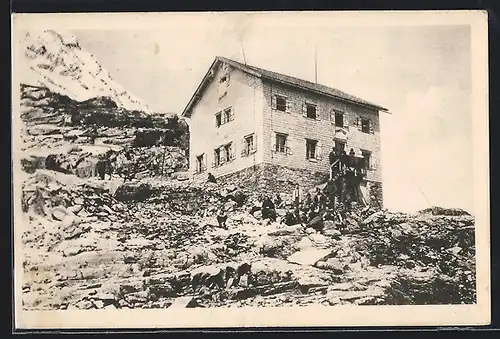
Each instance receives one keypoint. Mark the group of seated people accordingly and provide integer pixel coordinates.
(311, 211)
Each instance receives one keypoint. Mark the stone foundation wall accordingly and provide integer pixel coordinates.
(271, 179)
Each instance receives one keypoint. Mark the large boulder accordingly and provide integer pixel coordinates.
(133, 192)
(31, 163)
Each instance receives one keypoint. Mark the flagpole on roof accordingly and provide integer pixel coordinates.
(315, 62)
(241, 38)
(243, 51)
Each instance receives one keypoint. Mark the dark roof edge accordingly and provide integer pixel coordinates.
(380, 108)
(187, 110)
(255, 71)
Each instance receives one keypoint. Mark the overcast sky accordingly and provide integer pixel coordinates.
(422, 74)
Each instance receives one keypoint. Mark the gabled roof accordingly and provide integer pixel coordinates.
(277, 77)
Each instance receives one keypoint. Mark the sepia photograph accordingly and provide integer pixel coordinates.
(250, 169)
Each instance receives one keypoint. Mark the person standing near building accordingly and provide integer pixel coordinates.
(343, 161)
(333, 157)
(297, 195)
(319, 200)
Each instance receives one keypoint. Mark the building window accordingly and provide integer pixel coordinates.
(365, 125)
(224, 117)
(200, 163)
(367, 156)
(311, 111)
(218, 120)
(217, 158)
(280, 143)
(228, 115)
(311, 147)
(224, 78)
(281, 103)
(339, 119)
(223, 84)
(248, 145)
(340, 145)
(228, 152)
(223, 154)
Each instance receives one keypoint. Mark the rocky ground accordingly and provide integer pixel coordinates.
(151, 243)
(150, 240)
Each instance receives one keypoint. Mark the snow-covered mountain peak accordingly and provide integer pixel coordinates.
(55, 59)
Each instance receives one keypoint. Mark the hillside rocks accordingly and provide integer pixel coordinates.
(102, 244)
(65, 135)
(435, 210)
(443, 239)
(149, 162)
(62, 207)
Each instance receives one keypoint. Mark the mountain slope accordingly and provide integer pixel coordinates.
(57, 61)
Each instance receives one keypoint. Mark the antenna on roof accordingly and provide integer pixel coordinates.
(315, 63)
(243, 51)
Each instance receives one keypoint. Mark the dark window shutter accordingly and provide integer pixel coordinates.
(345, 116)
(288, 146)
(243, 147)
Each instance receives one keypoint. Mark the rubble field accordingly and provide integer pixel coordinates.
(155, 243)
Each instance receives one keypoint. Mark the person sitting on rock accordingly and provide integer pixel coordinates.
(329, 214)
(278, 202)
(211, 178)
(297, 215)
(222, 218)
(316, 223)
(319, 200)
(308, 202)
(268, 209)
(256, 206)
(290, 218)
